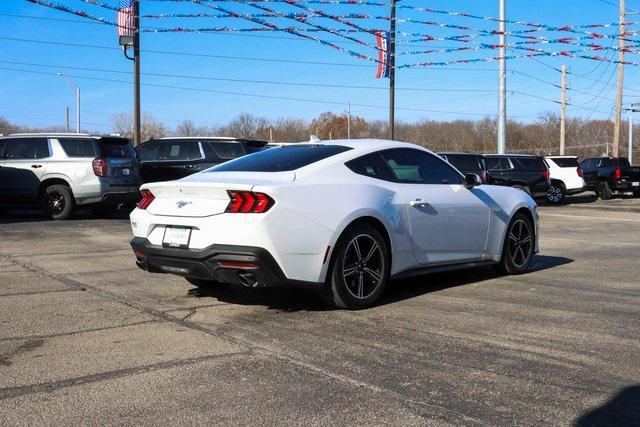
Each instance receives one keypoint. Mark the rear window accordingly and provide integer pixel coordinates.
(78, 147)
(227, 150)
(116, 147)
(623, 162)
(565, 162)
(529, 163)
(281, 159)
(465, 163)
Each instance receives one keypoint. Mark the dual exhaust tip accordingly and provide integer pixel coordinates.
(248, 280)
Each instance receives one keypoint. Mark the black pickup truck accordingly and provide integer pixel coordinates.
(609, 176)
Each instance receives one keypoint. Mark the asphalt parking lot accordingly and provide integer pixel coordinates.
(86, 337)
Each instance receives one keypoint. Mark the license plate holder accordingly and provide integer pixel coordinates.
(176, 236)
(126, 171)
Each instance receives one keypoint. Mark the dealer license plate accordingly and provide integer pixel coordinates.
(636, 184)
(126, 171)
(176, 237)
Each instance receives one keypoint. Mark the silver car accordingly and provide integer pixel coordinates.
(63, 171)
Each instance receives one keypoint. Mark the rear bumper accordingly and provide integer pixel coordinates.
(212, 263)
(624, 186)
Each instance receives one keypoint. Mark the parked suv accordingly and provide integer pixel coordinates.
(608, 176)
(525, 172)
(62, 171)
(467, 163)
(167, 159)
(566, 177)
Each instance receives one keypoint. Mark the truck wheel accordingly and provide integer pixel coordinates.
(58, 202)
(604, 191)
(556, 194)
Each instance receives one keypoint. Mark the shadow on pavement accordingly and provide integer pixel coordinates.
(622, 410)
(294, 299)
(26, 214)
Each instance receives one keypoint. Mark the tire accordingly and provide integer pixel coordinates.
(203, 283)
(359, 270)
(556, 194)
(514, 260)
(522, 188)
(604, 191)
(58, 202)
(101, 211)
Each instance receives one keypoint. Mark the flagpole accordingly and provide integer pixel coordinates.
(136, 71)
(392, 72)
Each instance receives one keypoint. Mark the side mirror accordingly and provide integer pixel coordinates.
(472, 180)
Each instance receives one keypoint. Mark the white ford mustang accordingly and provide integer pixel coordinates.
(345, 216)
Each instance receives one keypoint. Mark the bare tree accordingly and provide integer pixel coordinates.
(150, 127)
(187, 128)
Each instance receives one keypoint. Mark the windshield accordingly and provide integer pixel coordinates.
(281, 159)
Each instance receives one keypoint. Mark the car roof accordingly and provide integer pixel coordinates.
(213, 138)
(561, 157)
(458, 153)
(369, 144)
(61, 135)
(511, 155)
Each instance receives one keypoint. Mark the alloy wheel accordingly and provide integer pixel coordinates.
(520, 243)
(363, 266)
(55, 202)
(555, 194)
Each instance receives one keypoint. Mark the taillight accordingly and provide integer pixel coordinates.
(617, 174)
(546, 174)
(579, 171)
(99, 167)
(248, 202)
(147, 198)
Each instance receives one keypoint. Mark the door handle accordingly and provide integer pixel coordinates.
(36, 166)
(418, 203)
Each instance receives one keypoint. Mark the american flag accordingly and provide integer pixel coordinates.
(125, 18)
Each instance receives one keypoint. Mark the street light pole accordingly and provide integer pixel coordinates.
(76, 90)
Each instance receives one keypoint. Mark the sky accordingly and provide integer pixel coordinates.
(284, 76)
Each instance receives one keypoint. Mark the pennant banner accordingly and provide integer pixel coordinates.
(384, 63)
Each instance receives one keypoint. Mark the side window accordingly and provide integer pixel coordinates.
(417, 167)
(3, 144)
(77, 147)
(150, 151)
(497, 163)
(180, 150)
(227, 150)
(371, 165)
(529, 163)
(27, 148)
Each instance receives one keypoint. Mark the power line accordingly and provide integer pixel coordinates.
(285, 98)
(184, 76)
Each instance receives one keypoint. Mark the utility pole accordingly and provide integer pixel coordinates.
(67, 119)
(563, 109)
(502, 79)
(349, 121)
(618, 113)
(136, 70)
(632, 110)
(270, 134)
(392, 72)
